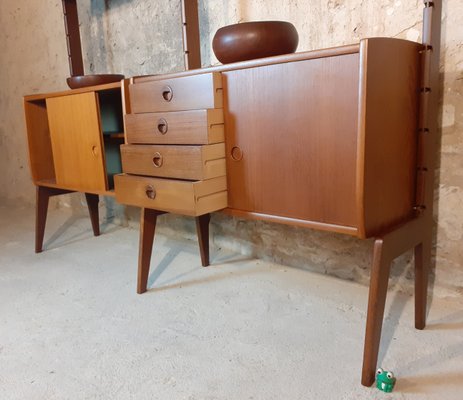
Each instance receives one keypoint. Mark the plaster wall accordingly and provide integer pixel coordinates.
(137, 37)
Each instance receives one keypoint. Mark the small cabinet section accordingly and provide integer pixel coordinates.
(74, 138)
(175, 130)
(326, 139)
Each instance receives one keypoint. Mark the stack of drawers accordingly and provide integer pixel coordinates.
(174, 159)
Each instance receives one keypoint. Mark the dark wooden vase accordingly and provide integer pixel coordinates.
(250, 40)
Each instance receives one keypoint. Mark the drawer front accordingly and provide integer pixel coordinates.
(182, 127)
(182, 197)
(193, 92)
(181, 162)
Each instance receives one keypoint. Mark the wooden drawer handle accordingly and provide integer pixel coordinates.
(162, 126)
(167, 93)
(236, 153)
(157, 159)
(150, 192)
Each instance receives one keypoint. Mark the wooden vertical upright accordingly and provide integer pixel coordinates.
(428, 138)
(71, 24)
(191, 39)
(418, 232)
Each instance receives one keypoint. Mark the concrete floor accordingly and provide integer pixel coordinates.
(72, 326)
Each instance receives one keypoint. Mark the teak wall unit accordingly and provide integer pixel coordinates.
(74, 139)
(342, 140)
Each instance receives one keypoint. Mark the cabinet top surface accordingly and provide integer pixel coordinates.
(98, 88)
(286, 58)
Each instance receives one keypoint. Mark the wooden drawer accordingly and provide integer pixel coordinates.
(194, 92)
(182, 162)
(183, 127)
(182, 197)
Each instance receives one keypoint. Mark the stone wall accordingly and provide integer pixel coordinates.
(137, 37)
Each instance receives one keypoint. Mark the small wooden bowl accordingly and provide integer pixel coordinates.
(81, 81)
(250, 40)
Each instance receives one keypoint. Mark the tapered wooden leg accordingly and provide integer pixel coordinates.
(42, 197)
(92, 204)
(202, 229)
(148, 219)
(422, 263)
(376, 301)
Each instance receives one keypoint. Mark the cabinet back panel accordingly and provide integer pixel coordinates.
(40, 153)
(296, 126)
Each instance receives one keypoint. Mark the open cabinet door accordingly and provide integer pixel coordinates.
(77, 142)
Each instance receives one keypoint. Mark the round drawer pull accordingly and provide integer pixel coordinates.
(150, 192)
(236, 153)
(167, 93)
(162, 126)
(157, 160)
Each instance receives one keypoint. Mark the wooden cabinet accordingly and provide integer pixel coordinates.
(174, 156)
(329, 139)
(175, 130)
(324, 139)
(337, 132)
(74, 138)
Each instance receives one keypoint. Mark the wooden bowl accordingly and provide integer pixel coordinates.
(81, 81)
(250, 40)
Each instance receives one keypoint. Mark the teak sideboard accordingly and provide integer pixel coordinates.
(326, 139)
(340, 139)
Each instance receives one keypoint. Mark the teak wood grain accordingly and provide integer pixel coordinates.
(77, 142)
(180, 162)
(194, 92)
(170, 195)
(182, 127)
(296, 126)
